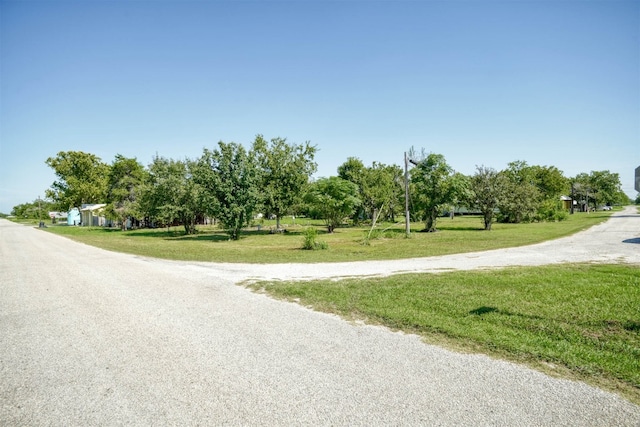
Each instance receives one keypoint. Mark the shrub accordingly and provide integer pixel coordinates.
(310, 240)
(551, 210)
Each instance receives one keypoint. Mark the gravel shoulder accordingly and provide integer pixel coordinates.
(91, 337)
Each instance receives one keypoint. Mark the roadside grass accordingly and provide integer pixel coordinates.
(388, 241)
(575, 321)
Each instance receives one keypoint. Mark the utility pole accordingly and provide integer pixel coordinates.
(407, 220)
(40, 222)
(572, 195)
(587, 200)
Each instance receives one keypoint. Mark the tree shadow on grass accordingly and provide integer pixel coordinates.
(484, 310)
(204, 237)
(215, 236)
(480, 311)
(155, 232)
(454, 228)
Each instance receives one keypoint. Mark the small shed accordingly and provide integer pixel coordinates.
(566, 202)
(73, 216)
(90, 215)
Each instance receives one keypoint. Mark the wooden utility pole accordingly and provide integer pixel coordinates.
(407, 219)
(572, 196)
(407, 222)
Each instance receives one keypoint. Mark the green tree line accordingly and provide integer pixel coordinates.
(231, 184)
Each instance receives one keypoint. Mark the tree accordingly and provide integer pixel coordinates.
(550, 181)
(125, 177)
(521, 194)
(229, 177)
(334, 198)
(607, 188)
(435, 185)
(171, 194)
(379, 186)
(82, 178)
(485, 191)
(551, 184)
(598, 188)
(580, 187)
(38, 209)
(353, 170)
(285, 172)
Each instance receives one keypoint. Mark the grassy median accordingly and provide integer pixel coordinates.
(387, 241)
(576, 321)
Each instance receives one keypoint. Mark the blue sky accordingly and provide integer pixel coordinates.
(552, 83)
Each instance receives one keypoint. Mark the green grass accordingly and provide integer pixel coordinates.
(577, 321)
(462, 234)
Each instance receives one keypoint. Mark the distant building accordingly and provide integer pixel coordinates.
(91, 215)
(73, 216)
(57, 215)
(566, 202)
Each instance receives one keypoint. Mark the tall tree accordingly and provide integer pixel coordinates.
(171, 194)
(230, 177)
(334, 198)
(353, 170)
(551, 184)
(379, 186)
(485, 191)
(124, 181)
(435, 185)
(550, 181)
(82, 178)
(522, 196)
(285, 172)
(607, 188)
(581, 187)
(598, 188)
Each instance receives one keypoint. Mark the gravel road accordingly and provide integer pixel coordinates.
(91, 337)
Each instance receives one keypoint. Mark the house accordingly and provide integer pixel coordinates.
(73, 216)
(56, 216)
(91, 215)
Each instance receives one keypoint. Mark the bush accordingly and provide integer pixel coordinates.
(311, 242)
(551, 210)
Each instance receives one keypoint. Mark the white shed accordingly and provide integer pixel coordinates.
(91, 215)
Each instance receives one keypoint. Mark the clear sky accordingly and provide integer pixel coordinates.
(553, 83)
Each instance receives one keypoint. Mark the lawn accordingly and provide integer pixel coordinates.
(575, 321)
(387, 241)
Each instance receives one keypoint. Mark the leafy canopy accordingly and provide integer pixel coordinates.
(435, 185)
(284, 173)
(334, 198)
(229, 177)
(82, 178)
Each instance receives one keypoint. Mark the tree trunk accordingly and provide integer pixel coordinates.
(488, 217)
(432, 217)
